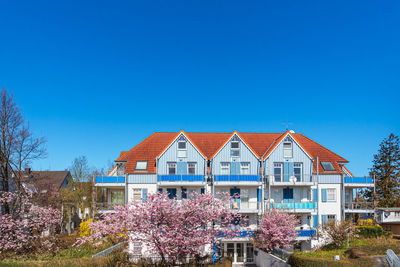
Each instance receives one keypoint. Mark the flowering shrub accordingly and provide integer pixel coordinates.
(84, 229)
(169, 228)
(277, 229)
(22, 230)
(366, 222)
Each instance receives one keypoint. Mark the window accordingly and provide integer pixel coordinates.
(137, 194)
(137, 248)
(287, 148)
(331, 194)
(327, 166)
(278, 171)
(121, 168)
(298, 170)
(182, 149)
(117, 197)
(331, 218)
(141, 165)
(235, 147)
(225, 168)
(245, 168)
(244, 198)
(191, 168)
(171, 168)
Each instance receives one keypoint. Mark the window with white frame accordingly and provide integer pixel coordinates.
(137, 194)
(182, 150)
(298, 170)
(287, 148)
(235, 147)
(171, 166)
(244, 167)
(141, 165)
(225, 168)
(331, 194)
(191, 168)
(278, 171)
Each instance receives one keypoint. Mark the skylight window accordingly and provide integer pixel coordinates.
(141, 165)
(327, 166)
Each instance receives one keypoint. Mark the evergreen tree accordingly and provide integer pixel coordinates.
(386, 170)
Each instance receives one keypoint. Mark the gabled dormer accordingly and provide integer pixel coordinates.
(235, 157)
(181, 157)
(288, 161)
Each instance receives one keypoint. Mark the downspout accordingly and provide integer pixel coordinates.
(126, 185)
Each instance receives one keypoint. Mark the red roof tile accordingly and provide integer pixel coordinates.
(209, 143)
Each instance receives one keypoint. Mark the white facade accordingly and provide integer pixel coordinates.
(284, 179)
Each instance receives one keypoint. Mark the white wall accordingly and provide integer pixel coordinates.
(151, 188)
(328, 208)
(264, 259)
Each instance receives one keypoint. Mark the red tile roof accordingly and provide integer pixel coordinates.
(209, 143)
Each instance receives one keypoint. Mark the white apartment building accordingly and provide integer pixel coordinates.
(285, 171)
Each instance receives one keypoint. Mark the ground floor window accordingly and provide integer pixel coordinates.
(239, 252)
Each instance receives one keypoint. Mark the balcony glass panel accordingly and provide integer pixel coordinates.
(110, 179)
(292, 206)
(237, 178)
(181, 178)
(358, 180)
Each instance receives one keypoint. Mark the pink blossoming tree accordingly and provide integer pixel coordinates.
(277, 229)
(22, 229)
(170, 228)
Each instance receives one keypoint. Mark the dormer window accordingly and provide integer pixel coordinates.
(327, 166)
(287, 148)
(141, 166)
(182, 150)
(235, 147)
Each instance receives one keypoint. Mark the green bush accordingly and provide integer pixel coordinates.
(369, 231)
(296, 260)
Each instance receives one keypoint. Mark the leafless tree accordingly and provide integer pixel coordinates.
(18, 146)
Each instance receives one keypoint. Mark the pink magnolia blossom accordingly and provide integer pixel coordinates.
(277, 229)
(168, 227)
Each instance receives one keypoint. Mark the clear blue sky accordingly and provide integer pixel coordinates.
(97, 77)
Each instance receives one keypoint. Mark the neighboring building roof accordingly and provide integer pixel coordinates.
(43, 179)
(262, 144)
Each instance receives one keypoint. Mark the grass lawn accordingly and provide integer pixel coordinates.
(358, 254)
(67, 255)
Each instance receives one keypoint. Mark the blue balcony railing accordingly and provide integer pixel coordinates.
(237, 178)
(110, 179)
(294, 205)
(181, 178)
(358, 180)
(306, 233)
(239, 234)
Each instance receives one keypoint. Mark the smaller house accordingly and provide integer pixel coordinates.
(389, 219)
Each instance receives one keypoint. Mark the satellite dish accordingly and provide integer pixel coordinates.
(293, 179)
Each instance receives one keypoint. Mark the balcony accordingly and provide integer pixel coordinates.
(245, 206)
(304, 180)
(302, 207)
(359, 207)
(178, 179)
(242, 179)
(358, 182)
(106, 181)
(305, 234)
(239, 236)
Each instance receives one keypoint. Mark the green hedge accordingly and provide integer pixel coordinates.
(304, 261)
(369, 231)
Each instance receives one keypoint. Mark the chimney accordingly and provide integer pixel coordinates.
(27, 170)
